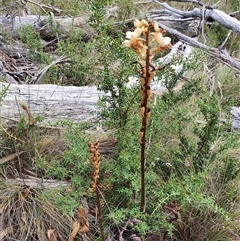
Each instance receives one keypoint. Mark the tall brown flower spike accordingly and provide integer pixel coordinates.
(146, 40)
(95, 157)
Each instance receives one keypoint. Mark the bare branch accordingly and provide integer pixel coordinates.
(202, 24)
(234, 14)
(143, 2)
(226, 39)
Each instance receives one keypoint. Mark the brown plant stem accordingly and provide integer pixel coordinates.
(99, 213)
(144, 124)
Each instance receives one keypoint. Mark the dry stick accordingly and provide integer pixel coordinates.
(225, 40)
(144, 125)
(188, 1)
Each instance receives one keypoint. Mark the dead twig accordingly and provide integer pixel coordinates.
(225, 40)
(10, 157)
(43, 6)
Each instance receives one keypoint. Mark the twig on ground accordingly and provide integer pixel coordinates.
(60, 60)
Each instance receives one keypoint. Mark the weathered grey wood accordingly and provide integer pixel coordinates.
(51, 102)
(40, 183)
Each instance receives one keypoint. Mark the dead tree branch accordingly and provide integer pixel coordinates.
(210, 13)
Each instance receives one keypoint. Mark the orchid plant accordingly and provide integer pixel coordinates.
(146, 40)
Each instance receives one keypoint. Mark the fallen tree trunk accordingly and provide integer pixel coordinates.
(50, 103)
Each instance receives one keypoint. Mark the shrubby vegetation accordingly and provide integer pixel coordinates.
(192, 155)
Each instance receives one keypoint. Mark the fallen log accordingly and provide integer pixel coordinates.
(50, 103)
(235, 112)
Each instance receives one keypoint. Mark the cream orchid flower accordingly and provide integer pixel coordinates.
(133, 41)
(158, 36)
(156, 28)
(126, 43)
(135, 34)
(138, 24)
(163, 41)
(137, 46)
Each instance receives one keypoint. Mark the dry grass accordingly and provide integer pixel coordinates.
(196, 224)
(24, 216)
